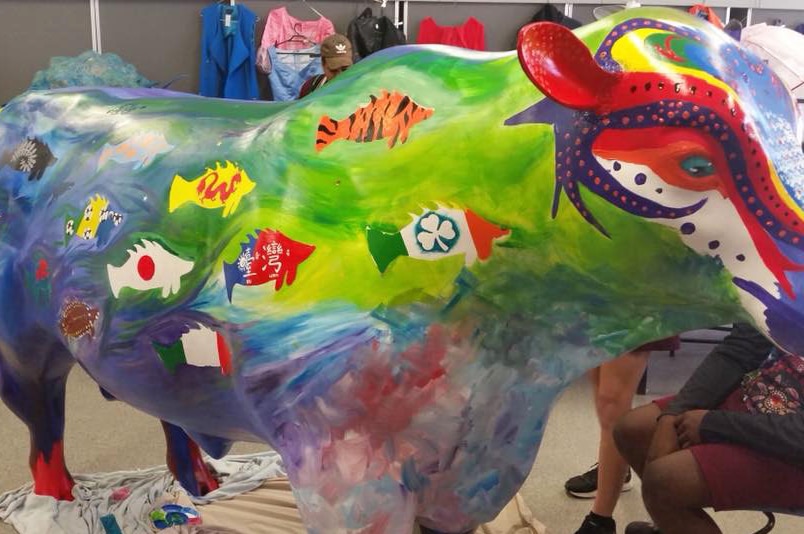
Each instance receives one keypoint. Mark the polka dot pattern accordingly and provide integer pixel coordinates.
(748, 76)
(678, 101)
(603, 55)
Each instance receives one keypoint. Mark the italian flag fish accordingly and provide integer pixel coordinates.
(198, 347)
(434, 235)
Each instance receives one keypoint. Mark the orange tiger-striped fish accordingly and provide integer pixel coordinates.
(391, 116)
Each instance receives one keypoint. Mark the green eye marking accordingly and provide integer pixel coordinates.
(698, 166)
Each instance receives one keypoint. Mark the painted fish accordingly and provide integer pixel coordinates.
(391, 116)
(149, 266)
(221, 187)
(97, 221)
(270, 256)
(200, 347)
(139, 149)
(435, 235)
(32, 156)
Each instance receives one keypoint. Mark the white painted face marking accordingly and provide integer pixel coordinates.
(718, 232)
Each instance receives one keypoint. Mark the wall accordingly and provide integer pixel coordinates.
(34, 31)
(162, 37)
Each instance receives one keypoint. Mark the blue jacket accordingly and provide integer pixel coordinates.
(228, 55)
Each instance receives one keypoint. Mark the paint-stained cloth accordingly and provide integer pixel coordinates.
(254, 498)
(34, 514)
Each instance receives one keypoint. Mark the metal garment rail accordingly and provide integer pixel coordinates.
(94, 21)
(745, 7)
(402, 9)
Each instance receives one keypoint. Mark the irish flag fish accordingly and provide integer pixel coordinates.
(221, 187)
(270, 256)
(434, 235)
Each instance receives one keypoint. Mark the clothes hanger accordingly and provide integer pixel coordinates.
(297, 37)
(314, 10)
(229, 12)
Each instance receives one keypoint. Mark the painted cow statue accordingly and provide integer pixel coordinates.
(391, 281)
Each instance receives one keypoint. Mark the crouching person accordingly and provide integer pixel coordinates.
(732, 439)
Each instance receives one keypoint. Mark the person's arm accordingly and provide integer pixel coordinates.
(306, 87)
(743, 350)
(780, 436)
(310, 85)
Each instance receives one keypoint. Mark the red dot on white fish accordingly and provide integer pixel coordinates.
(146, 268)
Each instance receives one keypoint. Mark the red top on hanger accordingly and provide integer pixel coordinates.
(470, 34)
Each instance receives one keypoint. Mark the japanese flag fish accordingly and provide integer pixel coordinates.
(149, 266)
(221, 187)
(434, 235)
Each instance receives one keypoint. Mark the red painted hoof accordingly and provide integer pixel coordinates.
(51, 477)
(206, 480)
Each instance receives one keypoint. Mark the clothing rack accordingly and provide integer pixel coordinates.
(791, 5)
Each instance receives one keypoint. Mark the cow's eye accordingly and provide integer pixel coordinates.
(698, 166)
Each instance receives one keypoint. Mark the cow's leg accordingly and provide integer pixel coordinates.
(186, 463)
(33, 378)
(376, 507)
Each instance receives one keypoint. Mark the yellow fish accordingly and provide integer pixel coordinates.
(91, 219)
(221, 187)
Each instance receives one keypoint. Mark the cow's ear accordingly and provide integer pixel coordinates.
(561, 66)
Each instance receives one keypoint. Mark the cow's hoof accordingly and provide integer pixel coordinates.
(201, 481)
(206, 480)
(50, 475)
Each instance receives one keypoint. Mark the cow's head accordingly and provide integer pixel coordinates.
(675, 123)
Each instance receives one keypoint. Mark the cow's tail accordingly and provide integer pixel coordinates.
(181, 191)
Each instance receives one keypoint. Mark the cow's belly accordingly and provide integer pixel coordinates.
(443, 416)
(199, 399)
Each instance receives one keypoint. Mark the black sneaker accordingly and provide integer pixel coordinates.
(597, 525)
(585, 486)
(641, 527)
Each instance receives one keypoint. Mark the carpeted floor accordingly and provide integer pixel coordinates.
(108, 436)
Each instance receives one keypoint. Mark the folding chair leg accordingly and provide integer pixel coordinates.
(642, 388)
(770, 524)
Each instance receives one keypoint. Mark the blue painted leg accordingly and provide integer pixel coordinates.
(35, 393)
(186, 463)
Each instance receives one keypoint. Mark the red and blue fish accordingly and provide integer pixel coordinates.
(268, 256)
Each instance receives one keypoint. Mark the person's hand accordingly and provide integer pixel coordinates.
(665, 439)
(688, 427)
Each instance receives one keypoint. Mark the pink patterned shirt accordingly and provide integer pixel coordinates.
(281, 26)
